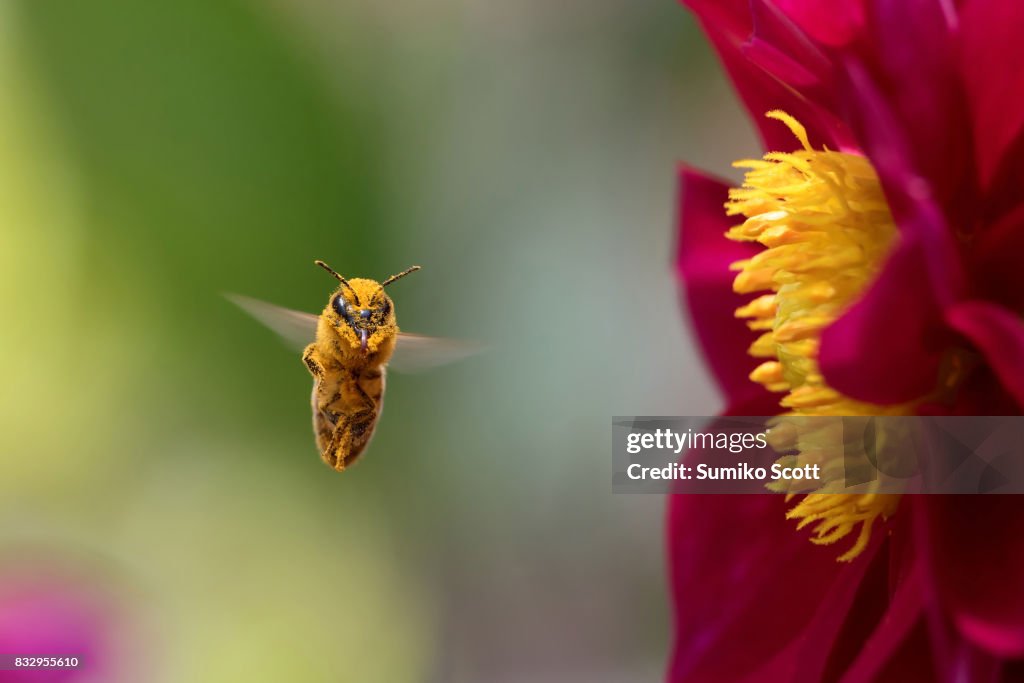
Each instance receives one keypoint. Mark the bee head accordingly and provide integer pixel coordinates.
(361, 313)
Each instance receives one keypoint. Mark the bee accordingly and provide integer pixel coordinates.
(347, 350)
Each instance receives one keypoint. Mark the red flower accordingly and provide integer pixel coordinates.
(931, 93)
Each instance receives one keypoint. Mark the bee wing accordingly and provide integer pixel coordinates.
(416, 352)
(413, 352)
(296, 328)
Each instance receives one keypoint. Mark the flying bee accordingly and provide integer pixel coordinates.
(354, 340)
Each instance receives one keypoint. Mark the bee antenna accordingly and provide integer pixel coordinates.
(411, 269)
(333, 272)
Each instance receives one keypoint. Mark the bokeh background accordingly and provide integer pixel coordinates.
(155, 443)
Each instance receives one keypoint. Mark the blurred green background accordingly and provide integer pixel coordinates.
(153, 155)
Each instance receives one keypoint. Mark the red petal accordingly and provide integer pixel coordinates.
(976, 546)
(888, 346)
(702, 264)
(729, 17)
(995, 261)
(830, 22)
(890, 644)
(782, 50)
(729, 26)
(912, 199)
(912, 61)
(741, 573)
(993, 69)
(910, 662)
(999, 334)
(914, 640)
(772, 28)
(847, 617)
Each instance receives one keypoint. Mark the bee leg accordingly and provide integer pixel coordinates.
(309, 357)
(341, 451)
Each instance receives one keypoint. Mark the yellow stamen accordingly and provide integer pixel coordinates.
(826, 227)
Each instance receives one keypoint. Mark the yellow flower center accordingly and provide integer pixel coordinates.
(826, 227)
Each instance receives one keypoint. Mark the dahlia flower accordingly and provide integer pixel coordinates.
(867, 265)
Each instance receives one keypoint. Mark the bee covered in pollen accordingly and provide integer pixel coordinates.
(354, 339)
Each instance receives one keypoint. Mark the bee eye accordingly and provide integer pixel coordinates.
(340, 306)
(385, 309)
